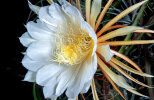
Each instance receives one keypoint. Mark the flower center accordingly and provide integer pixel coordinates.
(73, 45)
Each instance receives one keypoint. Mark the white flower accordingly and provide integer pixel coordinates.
(60, 53)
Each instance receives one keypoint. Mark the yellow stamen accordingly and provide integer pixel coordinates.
(73, 45)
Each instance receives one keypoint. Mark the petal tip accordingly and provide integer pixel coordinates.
(33, 7)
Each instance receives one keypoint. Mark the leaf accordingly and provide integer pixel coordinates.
(127, 59)
(121, 15)
(100, 18)
(119, 32)
(122, 65)
(144, 31)
(104, 50)
(127, 75)
(131, 42)
(137, 93)
(113, 84)
(119, 80)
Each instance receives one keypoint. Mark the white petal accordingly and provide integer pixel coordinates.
(104, 50)
(30, 76)
(41, 50)
(85, 26)
(45, 74)
(51, 29)
(48, 91)
(31, 64)
(38, 31)
(33, 7)
(26, 40)
(71, 11)
(83, 77)
(45, 16)
(64, 79)
(88, 83)
(72, 99)
(57, 14)
(56, 78)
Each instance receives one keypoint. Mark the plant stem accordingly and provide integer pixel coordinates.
(147, 67)
(114, 5)
(34, 91)
(149, 80)
(128, 37)
(131, 47)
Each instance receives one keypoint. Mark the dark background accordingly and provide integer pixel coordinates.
(14, 14)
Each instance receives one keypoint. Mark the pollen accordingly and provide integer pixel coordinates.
(73, 45)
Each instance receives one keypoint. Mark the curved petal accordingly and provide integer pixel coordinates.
(38, 31)
(71, 11)
(41, 50)
(30, 76)
(104, 50)
(48, 91)
(51, 29)
(83, 79)
(32, 65)
(46, 74)
(33, 7)
(88, 83)
(55, 76)
(85, 26)
(55, 11)
(95, 10)
(64, 79)
(119, 80)
(45, 16)
(26, 40)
